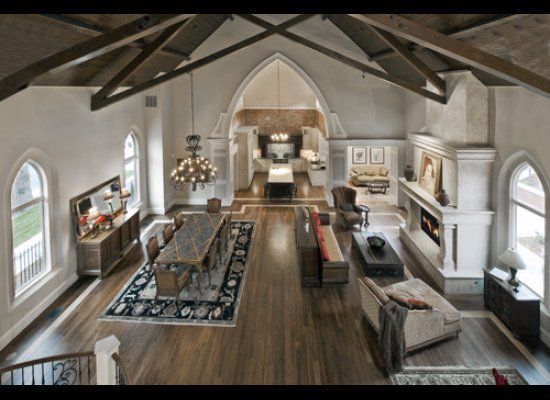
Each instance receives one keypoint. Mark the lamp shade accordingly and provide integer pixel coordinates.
(512, 259)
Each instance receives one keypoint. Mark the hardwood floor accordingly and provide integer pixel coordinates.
(285, 334)
(305, 190)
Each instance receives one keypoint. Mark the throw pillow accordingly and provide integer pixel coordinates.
(320, 233)
(347, 207)
(411, 304)
(500, 380)
(324, 252)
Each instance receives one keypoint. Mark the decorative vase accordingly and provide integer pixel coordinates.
(376, 242)
(442, 197)
(409, 173)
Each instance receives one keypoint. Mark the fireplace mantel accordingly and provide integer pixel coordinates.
(457, 264)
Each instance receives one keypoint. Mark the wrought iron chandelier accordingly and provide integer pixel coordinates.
(194, 170)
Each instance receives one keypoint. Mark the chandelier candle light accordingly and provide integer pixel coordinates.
(193, 170)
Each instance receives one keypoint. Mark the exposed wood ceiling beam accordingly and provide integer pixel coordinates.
(457, 50)
(470, 28)
(415, 62)
(140, 60)
(94, 29)
(91, 48)
(342, 28)
(198, 63)
(346, 60)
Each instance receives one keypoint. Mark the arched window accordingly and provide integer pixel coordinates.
(131, 168)
(528, 225)
(28, 222)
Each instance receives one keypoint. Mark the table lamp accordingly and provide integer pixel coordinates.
(513, 260)
(124, 195)
(108, 197)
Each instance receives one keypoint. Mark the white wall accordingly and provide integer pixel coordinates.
(519, 127)
(294, 92)
(78, 149)
(367, 107)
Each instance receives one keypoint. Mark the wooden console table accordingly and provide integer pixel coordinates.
(99, 255)
(520, 310)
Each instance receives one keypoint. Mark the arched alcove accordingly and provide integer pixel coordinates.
(237, 97)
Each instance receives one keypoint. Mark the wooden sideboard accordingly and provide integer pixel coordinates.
(520, 310)
(99, 255)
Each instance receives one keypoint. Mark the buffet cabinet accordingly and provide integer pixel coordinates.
(99, 255)
(520, 310)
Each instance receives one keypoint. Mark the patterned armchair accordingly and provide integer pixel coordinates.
(346, 209)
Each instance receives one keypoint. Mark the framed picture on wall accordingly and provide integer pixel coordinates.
(359, 155)
(430, 173)
(377, 155)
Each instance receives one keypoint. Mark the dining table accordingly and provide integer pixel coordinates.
(191, 243)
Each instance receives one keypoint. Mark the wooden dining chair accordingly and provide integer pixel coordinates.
(211, 260)
(170, 281)
(168, 233)
(179, 219)
(225, 236)
(153, 250)
(214, 205)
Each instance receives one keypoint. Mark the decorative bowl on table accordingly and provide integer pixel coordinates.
(376, 242)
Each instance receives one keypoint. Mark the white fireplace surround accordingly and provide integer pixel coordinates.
(464, 225)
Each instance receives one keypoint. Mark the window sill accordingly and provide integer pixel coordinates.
(31, 290)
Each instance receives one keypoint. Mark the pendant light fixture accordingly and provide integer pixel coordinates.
(194, 170)
(279, 137)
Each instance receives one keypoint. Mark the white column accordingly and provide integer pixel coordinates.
(105, 365)
(446, 242)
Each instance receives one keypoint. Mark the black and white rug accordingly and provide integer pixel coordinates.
(455, 375)
(217, 305)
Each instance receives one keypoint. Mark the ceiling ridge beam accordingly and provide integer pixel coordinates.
(140, 43)
(84, 51)
(141, 59)
(473, 27)
(416, 63)
(198, 63)
(348, 60)
(457, 50)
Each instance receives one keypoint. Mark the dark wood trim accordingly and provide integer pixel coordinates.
(140, 60)
(91, 48)
(199, 63)
(415, 62)
(339, 24)
(95, 29)
(457, 50)
(470, 28)
(347, 60)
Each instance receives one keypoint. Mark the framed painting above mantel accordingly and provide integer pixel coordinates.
(430, 173)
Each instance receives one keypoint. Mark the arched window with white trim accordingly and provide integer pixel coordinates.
(131, 168)
(29, 226)
(528, 225)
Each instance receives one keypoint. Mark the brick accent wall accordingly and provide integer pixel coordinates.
(272, 120)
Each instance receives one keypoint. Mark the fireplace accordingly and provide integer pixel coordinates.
(429, 225)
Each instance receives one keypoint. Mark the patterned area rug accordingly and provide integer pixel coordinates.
(455, 376)
(218, 304)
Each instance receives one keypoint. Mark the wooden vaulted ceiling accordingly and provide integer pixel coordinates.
(521, 40)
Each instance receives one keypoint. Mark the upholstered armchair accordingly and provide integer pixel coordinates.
(346, 209)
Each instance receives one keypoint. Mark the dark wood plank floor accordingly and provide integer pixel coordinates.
(285, 334)
(305, 190)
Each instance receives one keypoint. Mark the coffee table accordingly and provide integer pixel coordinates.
(376, 262)
(377, 186)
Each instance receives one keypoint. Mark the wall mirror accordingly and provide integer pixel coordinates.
(103, 199)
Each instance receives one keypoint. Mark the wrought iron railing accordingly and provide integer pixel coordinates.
(28, 264)
(121, 378)
(65, 369)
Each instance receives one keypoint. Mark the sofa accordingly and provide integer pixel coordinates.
(360, 175)
(422, 327)
(320, 259)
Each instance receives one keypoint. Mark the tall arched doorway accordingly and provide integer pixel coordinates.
(278, 118)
